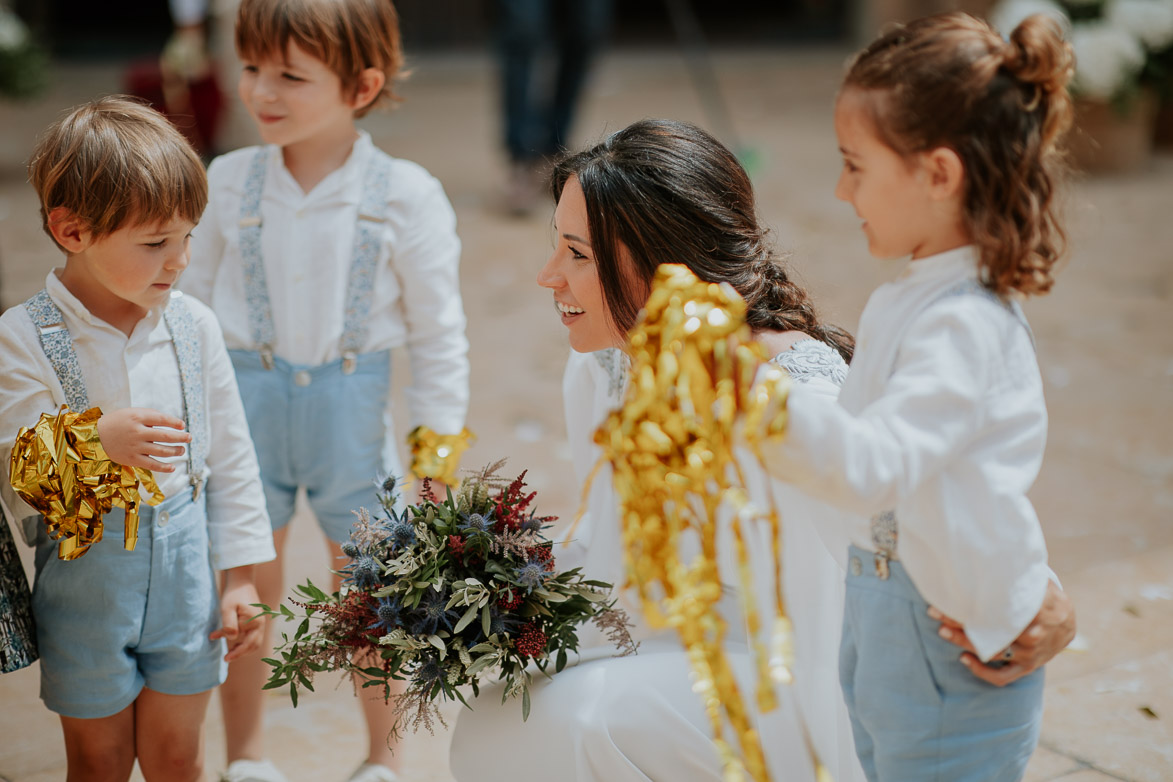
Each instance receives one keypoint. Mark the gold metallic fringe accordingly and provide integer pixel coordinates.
(61, 469)
(437, 456)
(691, 400)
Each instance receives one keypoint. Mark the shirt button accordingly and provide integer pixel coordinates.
(302, 378)
(856, 566)
(163, 518)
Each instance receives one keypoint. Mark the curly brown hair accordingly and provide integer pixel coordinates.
(1002, 106)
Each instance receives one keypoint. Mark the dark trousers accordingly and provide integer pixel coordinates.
(538, 114)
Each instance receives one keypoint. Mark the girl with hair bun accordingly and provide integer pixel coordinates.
(949, 136)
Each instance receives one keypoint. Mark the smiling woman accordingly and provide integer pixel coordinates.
(573, 275)
(661, 191)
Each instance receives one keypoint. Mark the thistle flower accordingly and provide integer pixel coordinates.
(533, 524)
(532, 574)
(476, 522)
(350, 549)
(366, 570)
(431, 614)
(389, 613)
(401, 532)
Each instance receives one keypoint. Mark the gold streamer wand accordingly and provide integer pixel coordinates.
(672, 449)
(61, 470)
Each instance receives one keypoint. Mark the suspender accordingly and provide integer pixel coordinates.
(372, 214)
(884, 525)
(57, 343)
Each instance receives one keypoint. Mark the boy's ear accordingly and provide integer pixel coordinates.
(946, 173)
(370, 84)
(69, 230)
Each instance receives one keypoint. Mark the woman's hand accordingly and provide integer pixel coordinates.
(1047, 635)
(132, 437)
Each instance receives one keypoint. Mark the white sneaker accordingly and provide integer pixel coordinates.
(252, 771)
(373, 772)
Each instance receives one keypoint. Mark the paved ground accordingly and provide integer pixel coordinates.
(1105, 341)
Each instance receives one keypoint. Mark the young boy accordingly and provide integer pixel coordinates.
(320, 253)
(131, 632)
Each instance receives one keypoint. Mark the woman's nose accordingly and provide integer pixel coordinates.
(549, 276)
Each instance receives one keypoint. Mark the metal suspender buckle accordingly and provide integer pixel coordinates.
(197, 486)
(267, 357)
(882, 570)
(349, 362)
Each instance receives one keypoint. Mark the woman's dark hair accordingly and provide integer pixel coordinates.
(951, 81)
(668, 192)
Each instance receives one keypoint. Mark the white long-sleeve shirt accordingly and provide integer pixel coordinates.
(140, 371)
(942, 419)
(307, 244)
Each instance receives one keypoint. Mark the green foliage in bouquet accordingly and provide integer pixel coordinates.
(439, 596)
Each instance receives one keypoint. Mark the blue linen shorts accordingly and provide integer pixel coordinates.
(319, 428)
(115, 621)
(917, 713)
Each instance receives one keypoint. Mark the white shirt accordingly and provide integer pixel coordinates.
(942, 418)
(141, 371)
(592, 387)
(307, 245)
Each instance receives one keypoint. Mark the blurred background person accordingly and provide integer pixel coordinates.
(538, 111)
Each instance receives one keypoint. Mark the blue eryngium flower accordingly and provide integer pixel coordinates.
(401, 532)
(366, 571)
(532, 574)
(532, 524)
(430, 615)
(389, 613)
(475, 522)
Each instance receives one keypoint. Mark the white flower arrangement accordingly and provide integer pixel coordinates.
(1120, 45)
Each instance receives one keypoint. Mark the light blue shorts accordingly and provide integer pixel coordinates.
(116, 621)
(318, 428)
(917, 713)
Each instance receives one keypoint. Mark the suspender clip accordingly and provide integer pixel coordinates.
(882, 571)
(197, 487)
(267, 357)
(250, 222)
(349, 362)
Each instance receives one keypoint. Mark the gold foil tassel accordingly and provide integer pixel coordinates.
(60, 468)
(692, 399)
(437, 456)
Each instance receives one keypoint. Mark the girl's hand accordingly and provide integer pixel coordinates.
(241, 624)
(131, 437)
(1047, 635)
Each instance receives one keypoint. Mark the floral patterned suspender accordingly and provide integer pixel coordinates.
(372, 214)
(58, 346)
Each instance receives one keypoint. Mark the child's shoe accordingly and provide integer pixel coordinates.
(373, 772)
(252, 771)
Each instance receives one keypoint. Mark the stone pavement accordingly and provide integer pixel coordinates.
(1105, 338)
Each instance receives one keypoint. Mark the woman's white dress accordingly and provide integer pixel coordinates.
(614, 719)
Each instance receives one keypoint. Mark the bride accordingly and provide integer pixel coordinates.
(667, 191)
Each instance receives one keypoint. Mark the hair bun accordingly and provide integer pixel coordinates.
(1037, 54)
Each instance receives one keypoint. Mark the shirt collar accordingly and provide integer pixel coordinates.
(958, 264)
(338, 179)
(71, 306)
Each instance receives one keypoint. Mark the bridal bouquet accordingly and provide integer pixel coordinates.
(442, 594)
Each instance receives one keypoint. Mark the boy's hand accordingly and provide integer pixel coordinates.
(241, 624)
(132, 437)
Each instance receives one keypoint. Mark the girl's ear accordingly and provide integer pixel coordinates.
(69, 230)
(946, 173)
(370, 84)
